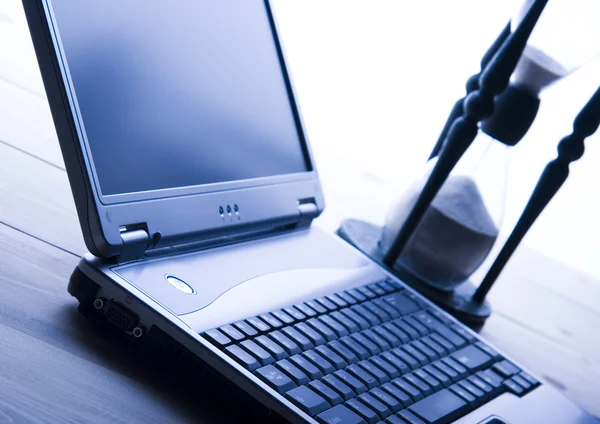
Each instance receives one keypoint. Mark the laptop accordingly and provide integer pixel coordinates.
(196, 188)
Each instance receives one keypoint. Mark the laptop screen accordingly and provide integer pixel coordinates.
(180, 92)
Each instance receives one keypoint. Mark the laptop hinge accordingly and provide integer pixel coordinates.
(135, 242)
(308, 211)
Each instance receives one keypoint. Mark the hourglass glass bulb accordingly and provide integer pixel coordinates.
(566, 37)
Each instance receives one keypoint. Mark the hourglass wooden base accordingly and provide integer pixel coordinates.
(460, 302)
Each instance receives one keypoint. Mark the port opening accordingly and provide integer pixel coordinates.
(121, 316)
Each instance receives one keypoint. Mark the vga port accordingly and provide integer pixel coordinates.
(121, 316)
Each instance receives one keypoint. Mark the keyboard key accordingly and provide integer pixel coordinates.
(448, 347)
(337, 361)
(346, 298)
(423, 331)
(327, 304)
(323, 390)
(348, 356)
(270, 346)
(440, 408)
(232, 332)
(306, 310)
(400, 365)
(417, 383)
(416, 354)
(387, 336)
(428, 379)
(381, 314)
(506, 369)
(394, 420)
(392, 403)
(271, 320)
(397, 394)
(339, 301)
(481, 385)
(409, 417)
(355, 347)
(283, 317)
(451, 336)
(350, 325)
(479, 395)
(323, 329)
(461, 331)
(421, 347)
(534, 382)
(321, 363)
(438, 375)
(403, 304)
(380, 343)
(294, 313)
(526, 385)
(388, 288)
(306, 367)
(258, 324)
(367, 379)
(410, 331)
(339, 415)
(275, 378)
(462, 371)
(433, 345)
(472, 358)
(363, 312)
(376, 405)
(390, 370)
(426, 319)
(464, 395)
(369, 294)
(307, 400)
(258, 352)
(315, 338)
(245, 328)
(242, 357)
(376, 289)
(449, 372)
(340, 387)
(492, 352)
(320, 309)
(400, 335)
(338, 328)
(293, 372)
(406, 358)
(361, 409)
(513, 387)
(290, 347)
(408, 388)
(375, 371)
(357, 295)
(217, 338)
(491, 378)
(356, 385)
(353, 316)
(441, 316)
(298, 338)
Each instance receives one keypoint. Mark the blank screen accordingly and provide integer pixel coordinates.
(179, 93)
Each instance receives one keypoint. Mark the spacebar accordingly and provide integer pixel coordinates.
(440, 408)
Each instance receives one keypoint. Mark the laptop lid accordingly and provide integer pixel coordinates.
(177, 121)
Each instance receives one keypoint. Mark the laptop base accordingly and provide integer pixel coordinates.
(459, 303)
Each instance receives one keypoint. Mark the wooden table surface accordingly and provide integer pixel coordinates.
(55, 367)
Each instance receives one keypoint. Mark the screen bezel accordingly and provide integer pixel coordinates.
(175, 215)
(108, 199)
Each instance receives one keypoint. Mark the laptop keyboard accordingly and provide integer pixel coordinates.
(372, 354)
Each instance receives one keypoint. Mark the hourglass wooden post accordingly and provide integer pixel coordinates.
(478, 106)
(570, 149)
(472, 85)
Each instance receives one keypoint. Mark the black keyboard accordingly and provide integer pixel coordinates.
(372, 354)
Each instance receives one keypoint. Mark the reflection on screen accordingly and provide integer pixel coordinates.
(178, 93)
